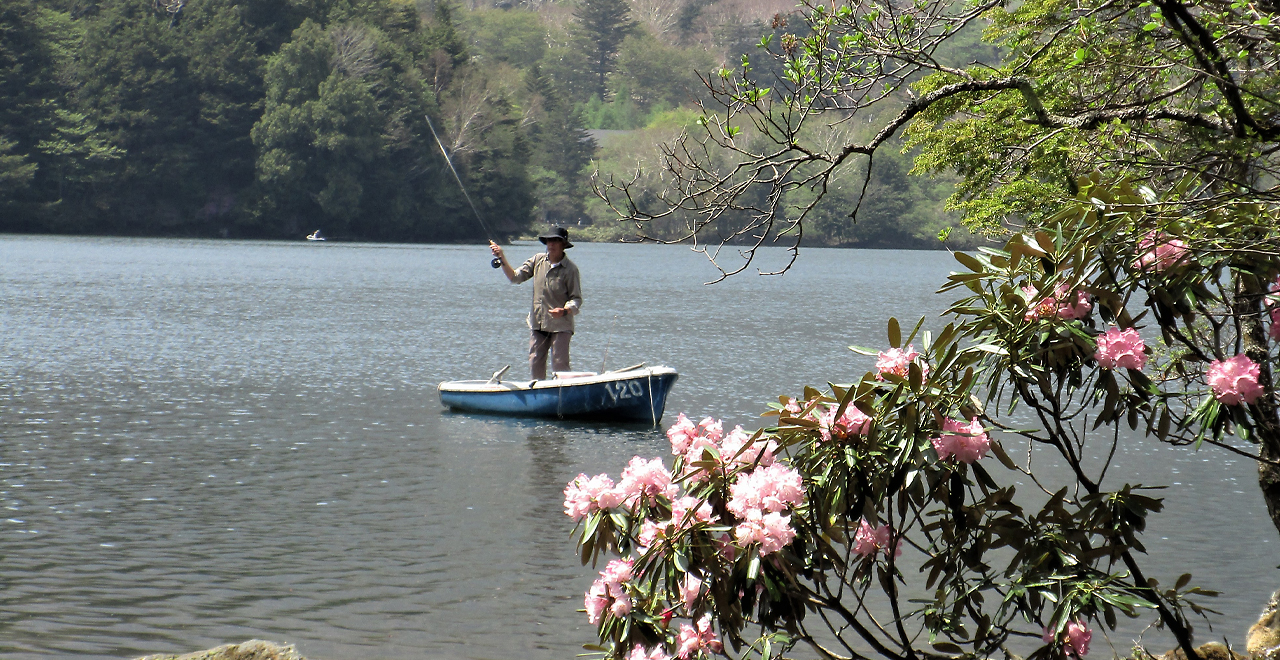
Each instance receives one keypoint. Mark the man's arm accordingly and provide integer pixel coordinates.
(506, 267)
(574, 304)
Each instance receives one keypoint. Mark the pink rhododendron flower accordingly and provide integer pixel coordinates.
(771, 530)
(737, 449)
(713, 429)
(724, 544)
(1234, 380)
(767, 488)
(649, 531)
(852, 422)
(1274, 330)
(870, 540)
(897, 361)
(681, 434)
(609, 592)
(1077, 636)
(585, 495)
(1063, 304)
(1121, 349)
(689, 590)
(646, 479)
(966, 442)
(638, 653)
(1159, 252)
(793, 407)
(691, 640)
(687, 511)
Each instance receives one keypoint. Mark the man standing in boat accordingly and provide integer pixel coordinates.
(557, 297)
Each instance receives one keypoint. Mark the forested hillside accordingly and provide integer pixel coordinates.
(272, 118)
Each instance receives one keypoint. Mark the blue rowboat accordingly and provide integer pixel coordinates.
(634, 394)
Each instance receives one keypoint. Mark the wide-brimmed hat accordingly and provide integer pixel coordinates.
(559, 233)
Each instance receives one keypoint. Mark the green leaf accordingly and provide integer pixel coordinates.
(1002, 456)
(862, 350)
(895, 333)
(970, 262)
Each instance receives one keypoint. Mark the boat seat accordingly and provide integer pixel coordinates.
(572, 374)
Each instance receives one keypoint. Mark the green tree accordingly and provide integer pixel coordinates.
(514, 36)
(561, 151)
(343, 142)
(600, 26)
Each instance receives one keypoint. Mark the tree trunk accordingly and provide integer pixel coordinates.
(1248, 306)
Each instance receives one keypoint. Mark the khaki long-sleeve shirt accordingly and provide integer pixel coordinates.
(554, 285)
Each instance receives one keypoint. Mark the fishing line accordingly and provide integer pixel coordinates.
(497, 261)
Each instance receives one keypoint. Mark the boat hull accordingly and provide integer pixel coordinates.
(633, 396)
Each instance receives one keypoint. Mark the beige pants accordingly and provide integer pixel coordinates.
(539, 343)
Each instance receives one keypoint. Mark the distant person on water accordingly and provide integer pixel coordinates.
(557, 298)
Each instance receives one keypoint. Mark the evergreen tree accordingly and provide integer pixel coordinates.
(601, 26)
(562, 149)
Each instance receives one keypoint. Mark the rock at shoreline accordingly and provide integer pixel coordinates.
(254, 649)
(1210, 651)
(1263, 640)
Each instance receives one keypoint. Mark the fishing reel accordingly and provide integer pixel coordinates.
(496, 263)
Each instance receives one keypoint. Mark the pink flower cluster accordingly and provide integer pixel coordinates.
(1076, 638)
(872, 539)
(852, 422)
(769, 487)
(898, 361)
(586, 495)
(1159, 252)
(692, 640)
(757, 500)
(689, 591)
(638, 653)
(610, 592)
(1121, 349)
(685, 513)
(1062, 304)
(688, 439)
(1235, 380)
(771, 530)
(736, 449)
(646, 480)
(966, 442)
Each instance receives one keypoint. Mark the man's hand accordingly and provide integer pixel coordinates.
(495, 249)
(558, 311)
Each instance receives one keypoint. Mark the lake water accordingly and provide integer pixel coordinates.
(203, 442)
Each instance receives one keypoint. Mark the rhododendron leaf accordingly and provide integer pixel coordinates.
(1046, 242)
(1162, 429)
(864, 351)
(914, 331)
(753, 568)
(895, 333)
(982, 476)
(970, 262)
(1002, 456)
(947, 647)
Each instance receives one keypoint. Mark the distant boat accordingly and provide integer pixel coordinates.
(634, 394)
(315, 236)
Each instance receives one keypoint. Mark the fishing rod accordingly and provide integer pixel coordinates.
(497, 261)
